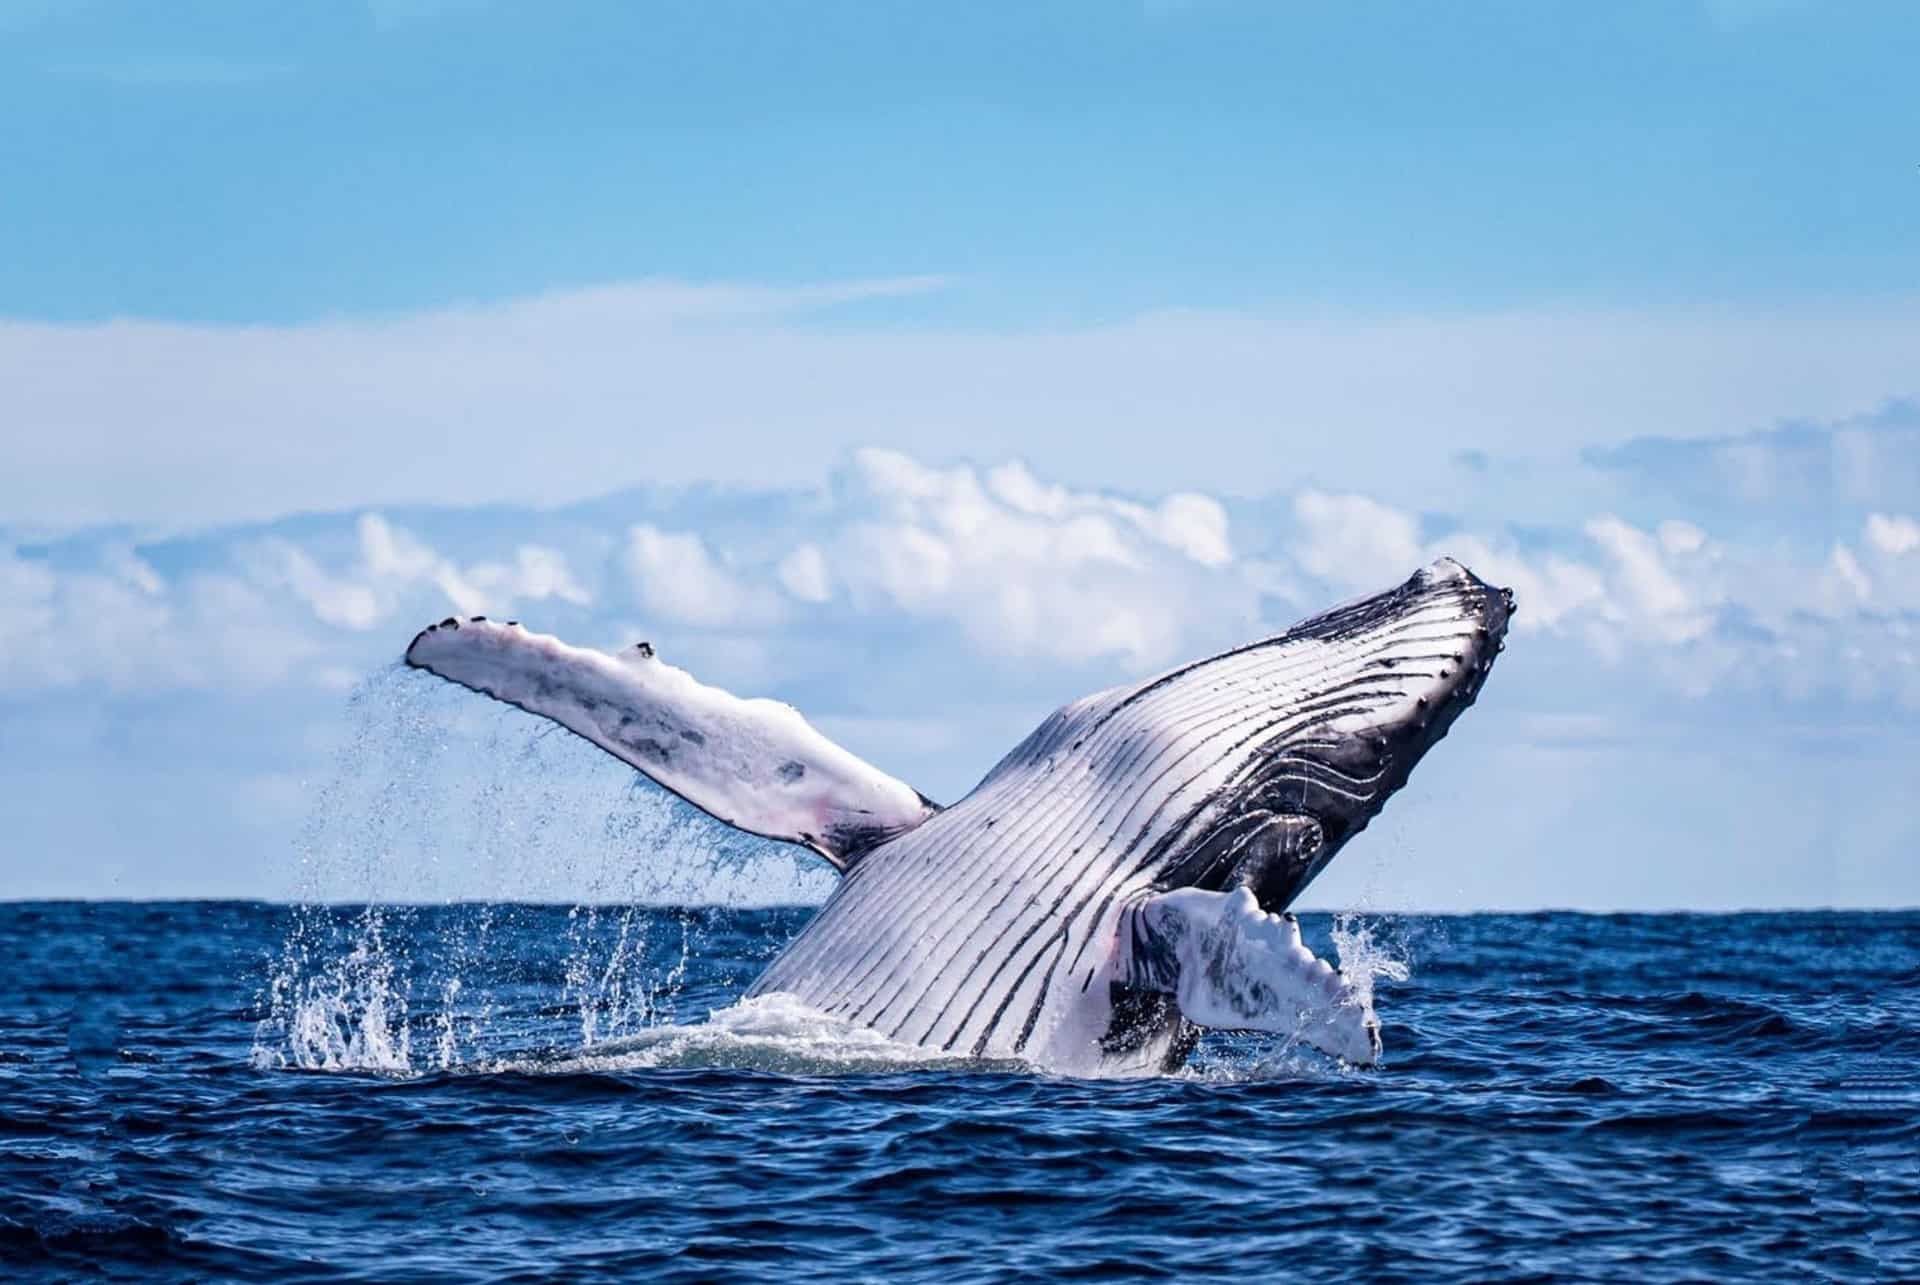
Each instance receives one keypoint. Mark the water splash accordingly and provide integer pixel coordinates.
(774, 1032)
(614, 988)
(434, 799)
(1366, 958)
(460, 1025)
(338, 1010)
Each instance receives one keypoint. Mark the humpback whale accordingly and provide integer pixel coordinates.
(1117, 882)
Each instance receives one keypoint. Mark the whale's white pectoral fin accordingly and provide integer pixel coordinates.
(755, 764)
(1230, 966)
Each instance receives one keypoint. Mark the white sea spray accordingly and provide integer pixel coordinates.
(1366, 957)
(428, 802)
(773, 1032)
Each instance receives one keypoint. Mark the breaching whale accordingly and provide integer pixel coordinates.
(1116, 882)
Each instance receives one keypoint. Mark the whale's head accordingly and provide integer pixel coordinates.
(1363, 692)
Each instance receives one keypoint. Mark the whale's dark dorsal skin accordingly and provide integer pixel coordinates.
(1116, 880)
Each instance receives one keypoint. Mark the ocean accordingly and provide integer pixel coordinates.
(473, 1092)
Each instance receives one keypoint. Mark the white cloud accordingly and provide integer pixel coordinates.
(116, 626)
(393, 566)
(992, 568)
(1791, 473)
(1551, 589)
(1848, 569)
(803, 573)
(340, 602)
(677, 578)
(1891, 556)
(1648, 592)
(1197, 526)
(1355, 544)
(1893, 534)
(113, 620)
(1696, 614)
(1192, 524)
(1633, 588)
(1353, 541)
(1027, 569)
(534, 575)
(27, 613)
(1679, 538)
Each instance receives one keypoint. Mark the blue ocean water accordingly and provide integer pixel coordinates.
(496, 1092)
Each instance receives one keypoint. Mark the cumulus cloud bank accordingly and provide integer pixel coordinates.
(1025, 568)
(993, 566)
(392, 566)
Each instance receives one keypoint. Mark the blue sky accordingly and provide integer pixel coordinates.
(1069, 161)
(930, 366)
